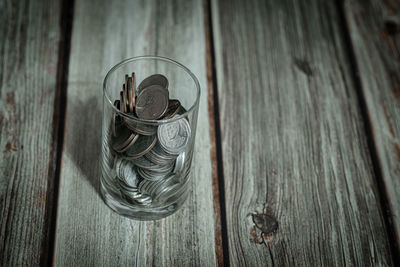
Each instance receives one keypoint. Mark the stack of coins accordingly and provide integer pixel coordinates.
(150, 158)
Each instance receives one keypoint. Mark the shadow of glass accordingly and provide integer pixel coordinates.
(83, 138)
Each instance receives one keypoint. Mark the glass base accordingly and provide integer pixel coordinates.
(138, 213)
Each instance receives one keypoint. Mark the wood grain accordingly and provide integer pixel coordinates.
(374, 28)
(88, 232)
(29, 48)
(293, 139)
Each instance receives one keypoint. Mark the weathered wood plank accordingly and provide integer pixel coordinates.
(88, 232)
(293, 140)
(29, 46)
(375, 33)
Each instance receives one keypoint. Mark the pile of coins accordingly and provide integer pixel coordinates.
(149, 158)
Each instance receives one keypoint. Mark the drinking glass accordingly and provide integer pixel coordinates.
(149, 180)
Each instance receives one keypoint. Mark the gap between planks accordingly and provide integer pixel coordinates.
(60, 105)
(383, 196)
(221, 234)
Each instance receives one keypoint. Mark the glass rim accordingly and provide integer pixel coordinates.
(150, 57)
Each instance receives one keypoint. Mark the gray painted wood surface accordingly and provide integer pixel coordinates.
(293, 139)
(375, 34)
(88, 232)
(29, 43)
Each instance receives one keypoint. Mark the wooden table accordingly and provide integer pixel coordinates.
(299, 119)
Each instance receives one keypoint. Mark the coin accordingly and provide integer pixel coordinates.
(128, 182)
(117, 120)
(145, 187)
(156, 79)
(161, 189)
(140, 128)
(155, 187)
(146, 164)
(116, 103)
(179, 163)
(143, 145)
(123, 138)
(130, 144)
(167, 192)
(182, 110)
(126, 173)
(159, 156)
(121, 97)
(133, 89)
(137, 198)
(174, 136)
(152, 102)
(174, 106)
(124, 98)
(151, 176)
(130, 92)
(161, 169)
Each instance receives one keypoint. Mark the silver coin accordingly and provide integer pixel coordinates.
(162, 189)
(156, 79)
(152, 102)
(165, 188)
(123, 138)
(150, 156)
(163, 168)
(174, 136)
(140, 128)
(149, 175)
(145, 186)
(167, 192)
(138, 198)
(159, 152)
(126, 173)
(153, 188)
(143, 145)
(142, 185)
(144, 175)
(161, 171)
(146, 164)
(159, 156)
(179, 163)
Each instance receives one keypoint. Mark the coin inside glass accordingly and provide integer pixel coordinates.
(124, 98)
(174, 106)
(156, 79)
(117, 120)
(140, 128)
(143, 145)
(146, 164)
(174, 136)
(179, 163)
(123, 138)
(129, 91)
(159, 156)
(152, 102)
(133, 84)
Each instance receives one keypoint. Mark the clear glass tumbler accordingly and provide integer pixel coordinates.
(147, 149)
